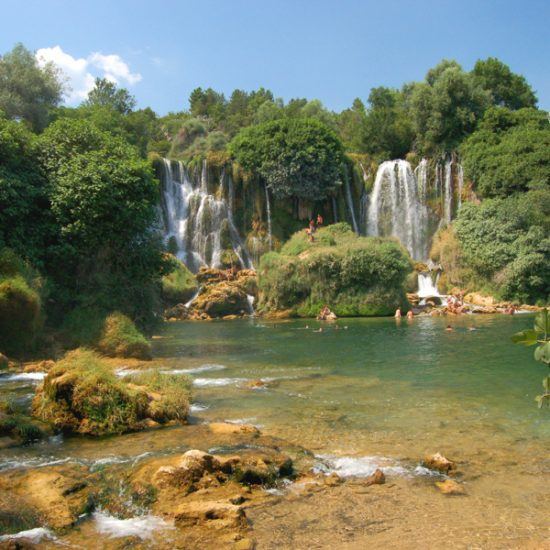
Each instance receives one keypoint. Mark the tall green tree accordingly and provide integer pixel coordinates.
(507, 88)
(106, 94)
(28, 91)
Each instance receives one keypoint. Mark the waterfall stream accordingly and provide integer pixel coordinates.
(198, 224)
(397, 208)
(268, 213)
(427, 288)
(349, 201)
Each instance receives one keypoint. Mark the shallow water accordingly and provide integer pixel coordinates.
(378, 393)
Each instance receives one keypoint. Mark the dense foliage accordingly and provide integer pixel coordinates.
(353, 275)
(502, 244)
(509, 152)
(301, 157)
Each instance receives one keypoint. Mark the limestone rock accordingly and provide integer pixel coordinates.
(440, 463)
(224, 298)
(450, 487)
(216, 514)
(225, 428)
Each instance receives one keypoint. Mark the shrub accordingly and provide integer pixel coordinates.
(355, 276)
(174, 390)
(121, 338)
(179, 285)
(19, 315)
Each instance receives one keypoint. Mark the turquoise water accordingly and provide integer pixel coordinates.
(377, 383)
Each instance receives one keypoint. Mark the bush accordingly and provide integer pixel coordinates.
(19, 315)
(174, 390)
(121, 338)
(355, 276)
(178, 286)
(82, 394)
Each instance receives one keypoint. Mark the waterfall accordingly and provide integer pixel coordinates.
(349, 201)
(197, 222)
(396, 208)
(427, 288)
(448, 193)
(268, 213)
(460, 177)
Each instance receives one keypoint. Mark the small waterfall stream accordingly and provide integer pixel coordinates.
(268, 213)
(349, 201)
(427, 288)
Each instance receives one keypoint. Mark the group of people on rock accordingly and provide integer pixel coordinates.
(326, 315)
(455, 304)
(313, 226)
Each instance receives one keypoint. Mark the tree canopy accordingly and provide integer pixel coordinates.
(296, 157)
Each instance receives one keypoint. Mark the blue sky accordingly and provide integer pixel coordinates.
(330, 50)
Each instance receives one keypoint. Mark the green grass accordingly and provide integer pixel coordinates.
(178, 286)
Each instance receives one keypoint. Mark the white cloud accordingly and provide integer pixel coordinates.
(81, 72)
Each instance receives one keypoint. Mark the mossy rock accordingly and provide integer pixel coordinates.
(224, 298)
(121, 338)
(81, 394)
(179, 286)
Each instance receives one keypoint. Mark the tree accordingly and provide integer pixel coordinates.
(24, 206)
(106, 94)
(539, 336)
(28, 91)
(295, 157)
(388, 129)
(446, 107)
(507, 88)
(509, 152)
(207, 103)
(103, 198)
(351, 126)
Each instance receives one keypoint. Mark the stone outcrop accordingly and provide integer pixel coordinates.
(439, 463)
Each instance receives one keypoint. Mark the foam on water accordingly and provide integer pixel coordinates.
(216, 382)
(197, 407)
(363, 466)
(139, 526)
(33, 376)
(203, 368)
(36, 462)
(34, 535)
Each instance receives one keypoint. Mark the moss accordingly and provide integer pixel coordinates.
(121, 338)
(355, 276)
(174, 391)
(83, 326)
(81, 394)
(14, 424)
(179, 285)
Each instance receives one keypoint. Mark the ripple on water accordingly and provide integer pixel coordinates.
(209, 367)
(215, 382)
(23, 376)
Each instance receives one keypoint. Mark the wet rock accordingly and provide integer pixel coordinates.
(440, 463)
(224, 298)
(39, 366)
(179, 312)
(333, 480)
(377, 478)
(225, 428)
(255, 384)
(58, 495)
(450, 487)
(216, 514)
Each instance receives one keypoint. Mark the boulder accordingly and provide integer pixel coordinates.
(450, 487)
(225, 428)
(440, 463)
(224, 298)
(478, 299)
(377, 478)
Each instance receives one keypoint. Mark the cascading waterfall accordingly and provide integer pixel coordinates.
(396, 208)
(427, 287)
(197, 221)
(268, 213)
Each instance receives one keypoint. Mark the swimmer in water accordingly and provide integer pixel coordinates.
(320, 330)
(449, 328)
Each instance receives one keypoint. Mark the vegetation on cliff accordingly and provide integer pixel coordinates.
(353, 275)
